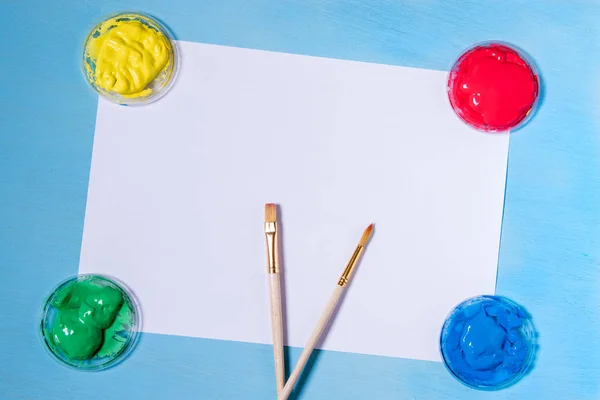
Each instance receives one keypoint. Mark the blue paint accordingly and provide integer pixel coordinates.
(488, 342)
(549, 252)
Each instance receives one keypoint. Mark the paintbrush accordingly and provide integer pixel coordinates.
(326, 315)
(275, 293)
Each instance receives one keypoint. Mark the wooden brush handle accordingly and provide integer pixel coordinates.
(277, 327)
(312, 342)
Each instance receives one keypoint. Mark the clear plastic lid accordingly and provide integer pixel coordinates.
(493, 87)
(90, 322)
(488, 342)
(130, 59)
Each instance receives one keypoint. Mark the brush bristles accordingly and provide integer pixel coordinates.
(366, 235)
(270, 212)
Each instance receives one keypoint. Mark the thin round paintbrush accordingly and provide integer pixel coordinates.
(326, 315)
(275, 293)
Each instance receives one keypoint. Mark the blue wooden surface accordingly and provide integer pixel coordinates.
(549, 254)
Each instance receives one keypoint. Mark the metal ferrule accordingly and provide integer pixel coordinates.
(272, 247)
(347, 274)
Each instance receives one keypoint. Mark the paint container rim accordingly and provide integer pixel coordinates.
(527, 59)
(527, 330)
(88, 365)
(173, 69)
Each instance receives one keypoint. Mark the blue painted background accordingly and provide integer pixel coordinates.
(549, 255)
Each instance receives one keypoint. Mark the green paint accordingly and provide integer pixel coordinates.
(89, 322)
(85, 310)
(116, 333)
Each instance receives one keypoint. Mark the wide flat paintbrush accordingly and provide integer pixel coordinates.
(326, 315)
(275, 293)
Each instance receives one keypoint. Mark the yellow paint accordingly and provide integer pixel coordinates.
(128, 55)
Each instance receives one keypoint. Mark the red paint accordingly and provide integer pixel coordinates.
(492, 88)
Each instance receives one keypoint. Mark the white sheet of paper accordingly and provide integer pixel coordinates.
(177, 191)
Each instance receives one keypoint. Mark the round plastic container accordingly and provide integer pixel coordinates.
(158, 86)
(488, 342)
(493, 87)
(117, 340)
